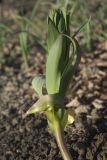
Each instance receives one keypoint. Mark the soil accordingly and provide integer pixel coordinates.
(30, 138)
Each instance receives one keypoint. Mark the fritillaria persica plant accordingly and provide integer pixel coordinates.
(60, 68)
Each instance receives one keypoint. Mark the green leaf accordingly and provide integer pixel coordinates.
(59, 115)
(23, 37)
(53, 72)
(70, 67)
(62, 25)
(62, 115)
(41, 105)
(52, 34)
(38, 83)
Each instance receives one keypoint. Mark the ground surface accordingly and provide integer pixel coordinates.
(30, 138)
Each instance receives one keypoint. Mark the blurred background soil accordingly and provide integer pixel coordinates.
(30, 138)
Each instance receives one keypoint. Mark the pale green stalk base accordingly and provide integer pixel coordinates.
(25, 58)
(61, 143)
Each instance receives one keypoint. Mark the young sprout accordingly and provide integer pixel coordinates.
(60, 68)
(24, 24)
(23, 38)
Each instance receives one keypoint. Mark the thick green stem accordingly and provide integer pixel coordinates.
(61, 142)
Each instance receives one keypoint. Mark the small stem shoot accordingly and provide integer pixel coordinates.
(59, 134)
